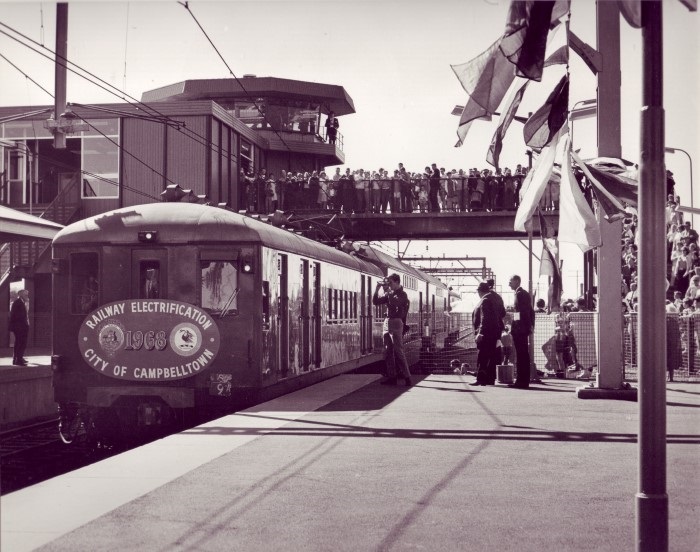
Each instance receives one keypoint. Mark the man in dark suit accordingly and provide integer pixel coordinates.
(523, 326)
(19, 325)
(487, 319)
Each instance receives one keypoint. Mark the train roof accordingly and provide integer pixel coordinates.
(188, 223)
(388, 263)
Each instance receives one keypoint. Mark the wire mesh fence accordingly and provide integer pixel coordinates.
(564, 346)
(682, 347)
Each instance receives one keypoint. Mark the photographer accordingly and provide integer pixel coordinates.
(397, 303)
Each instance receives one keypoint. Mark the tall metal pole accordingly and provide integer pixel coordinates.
(651, 498)
(59, 137)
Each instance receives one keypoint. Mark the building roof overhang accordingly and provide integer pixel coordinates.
(331, 97)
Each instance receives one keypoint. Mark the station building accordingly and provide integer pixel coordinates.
(198, 134)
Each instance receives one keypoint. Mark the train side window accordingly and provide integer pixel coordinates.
(85, 286)
(330, 306)
(220, 286)
(336, 314)
(149, 279)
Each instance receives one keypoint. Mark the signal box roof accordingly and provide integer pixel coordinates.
(224, 91)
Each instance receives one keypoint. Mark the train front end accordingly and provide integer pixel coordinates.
(153, 319)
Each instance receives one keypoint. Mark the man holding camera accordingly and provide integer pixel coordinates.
(397, 303)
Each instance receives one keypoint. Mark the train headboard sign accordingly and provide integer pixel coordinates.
(149, 340)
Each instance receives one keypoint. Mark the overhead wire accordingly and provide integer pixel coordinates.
(120, 147)
(164, 119)
(158, 118)
(245, 91)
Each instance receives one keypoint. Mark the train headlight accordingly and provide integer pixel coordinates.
(247, 266)
(148, 236)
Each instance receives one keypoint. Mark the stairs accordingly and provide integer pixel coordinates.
(18, 259)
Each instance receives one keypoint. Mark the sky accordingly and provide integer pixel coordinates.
(392, 57)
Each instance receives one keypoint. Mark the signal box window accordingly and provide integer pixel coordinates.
(219, 286)
(149, 280)
(85, 287)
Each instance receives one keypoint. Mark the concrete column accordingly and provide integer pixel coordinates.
(609, 383)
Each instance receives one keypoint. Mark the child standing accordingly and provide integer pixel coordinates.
(423, 199)
(507, 343)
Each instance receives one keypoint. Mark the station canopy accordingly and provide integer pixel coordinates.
(18, 226)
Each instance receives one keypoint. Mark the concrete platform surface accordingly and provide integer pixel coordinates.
(34, 356)
(350, 464)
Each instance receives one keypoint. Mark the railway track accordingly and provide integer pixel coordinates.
(31, 454)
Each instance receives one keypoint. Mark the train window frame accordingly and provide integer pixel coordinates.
(150, 272)
(81, 285)
(329, 308)
(220, 256)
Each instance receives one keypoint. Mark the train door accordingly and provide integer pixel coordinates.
(149, 273)
(363, 316)
(283, 313)
(304, 315)
(369, 318)
(316, 315)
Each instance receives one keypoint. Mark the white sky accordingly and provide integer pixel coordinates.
(392, 57)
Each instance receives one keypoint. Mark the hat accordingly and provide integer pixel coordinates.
(483, 286)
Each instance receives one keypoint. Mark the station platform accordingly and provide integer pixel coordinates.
(26, 392)
(349, 464)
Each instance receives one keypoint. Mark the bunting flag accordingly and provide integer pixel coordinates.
(558, 57)
(577, 222)
(589, 55)
(486, 79)
(494, 153)
(610, 190)
(535, 183)
(544, 124)
(549, 264)
(631, 10)
(525, 38)
(616, 185)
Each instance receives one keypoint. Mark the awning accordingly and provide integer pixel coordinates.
(18, 226)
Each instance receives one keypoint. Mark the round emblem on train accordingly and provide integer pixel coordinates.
(149, 340)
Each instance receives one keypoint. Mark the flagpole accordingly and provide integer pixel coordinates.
(651, 498)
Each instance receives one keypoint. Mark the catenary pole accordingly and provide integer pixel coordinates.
(651, 498)
(59, 137)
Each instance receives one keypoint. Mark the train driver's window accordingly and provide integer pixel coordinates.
(84, 285)
(149, 279)
(219, 286)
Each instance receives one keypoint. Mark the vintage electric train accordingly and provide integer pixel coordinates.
(172, 311)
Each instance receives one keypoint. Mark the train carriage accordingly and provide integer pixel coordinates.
(287, 311)
(172, 309)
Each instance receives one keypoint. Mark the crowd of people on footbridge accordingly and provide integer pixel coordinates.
(363, 191)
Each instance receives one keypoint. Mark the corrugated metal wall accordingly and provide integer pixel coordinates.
(145, 140)
(187, 154)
